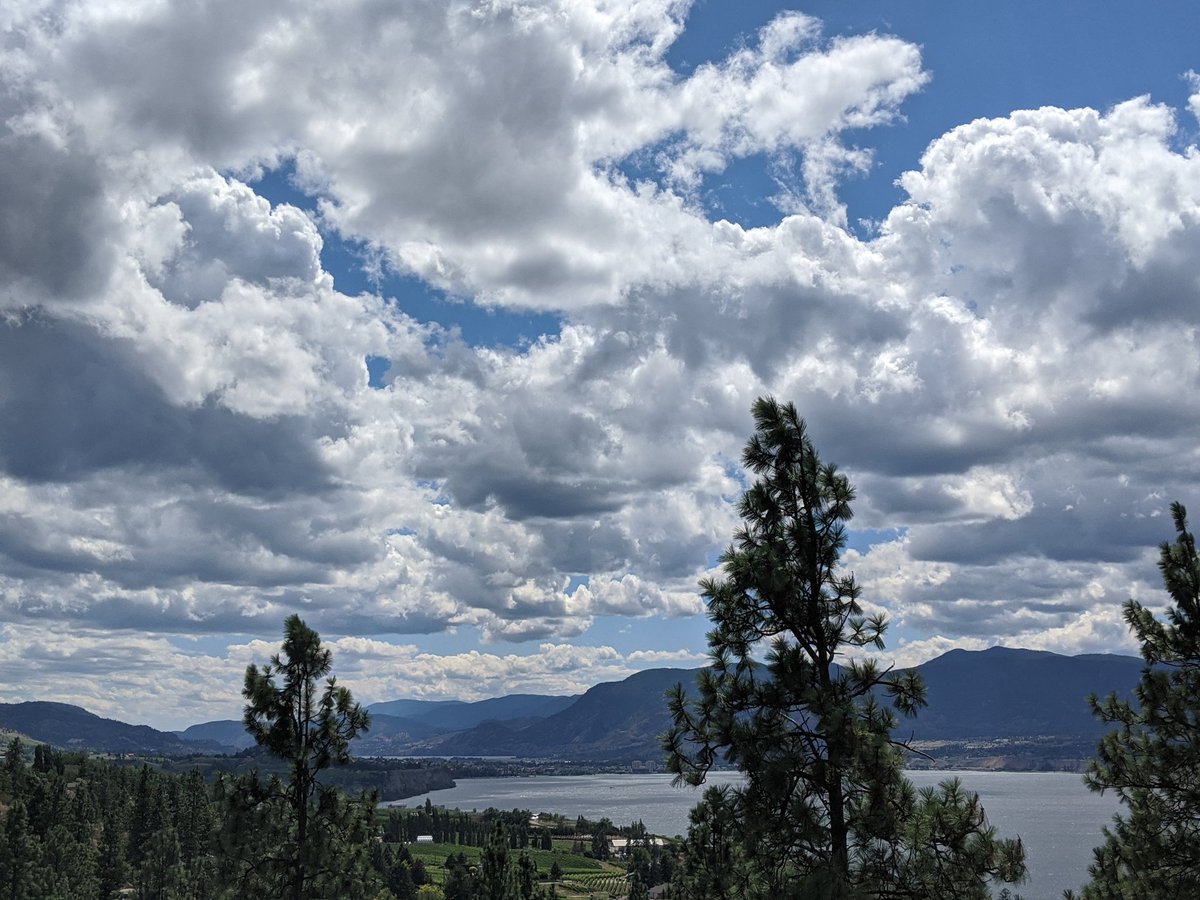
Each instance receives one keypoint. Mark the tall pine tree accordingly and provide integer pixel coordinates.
(319, 843)
(1152, 759)
(825, 811)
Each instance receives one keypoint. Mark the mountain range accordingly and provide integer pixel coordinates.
(999, 694)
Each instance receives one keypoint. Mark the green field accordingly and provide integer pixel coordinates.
(434, 856)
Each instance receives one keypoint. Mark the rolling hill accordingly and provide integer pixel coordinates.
(64, 725)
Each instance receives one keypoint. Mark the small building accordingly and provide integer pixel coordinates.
(424, 838)
(619, 846)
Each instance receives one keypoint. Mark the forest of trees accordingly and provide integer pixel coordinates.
(825, 812)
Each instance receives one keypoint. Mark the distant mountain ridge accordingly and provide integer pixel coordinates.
(613, 720)
(224, 732)
(999, 693)
(64, 725)
(457, 714)
(995, 694)
(1004, 692)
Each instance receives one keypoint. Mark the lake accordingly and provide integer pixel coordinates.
(1057, 818)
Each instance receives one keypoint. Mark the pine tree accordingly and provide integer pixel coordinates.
(712, 867)
(68, 866)
(600, 832)
(825, 805)
(1152, 759)
(47, 802)
(45, 759)
(112, 866)
(19, 856)
(14, 766)
(394, 865)
(141, 822)
(160, 876)
(458, 884)
(526, 876)
(322, 850)
(419, 875)
(497, 875)
(194, 816)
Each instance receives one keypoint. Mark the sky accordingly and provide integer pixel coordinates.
(439, 323)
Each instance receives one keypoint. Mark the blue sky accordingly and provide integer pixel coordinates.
(441, 327)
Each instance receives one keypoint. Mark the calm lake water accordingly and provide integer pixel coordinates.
(1058, 819)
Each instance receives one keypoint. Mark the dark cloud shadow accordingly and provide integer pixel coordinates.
(73, 402)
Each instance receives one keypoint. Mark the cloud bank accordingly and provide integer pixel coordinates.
(190, 444)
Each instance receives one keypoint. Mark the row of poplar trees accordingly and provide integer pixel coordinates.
(793, 700)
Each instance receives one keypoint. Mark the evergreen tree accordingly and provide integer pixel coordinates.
(323, 851)
(711, 868)
(19, 856)
(44, 759)
(825, 805)
(419, 875)
(83, 812)
(141, 818)
(459, 885)
(194, 817)
(394, 865)
(600, 834)
(68, 866)
(1152, 759)
(14, 766)
(640, 864)
(160, 876)
(112, 867)
(47, 802)
(945, 849)
(497, 875)
(14, 755)
(526, 876)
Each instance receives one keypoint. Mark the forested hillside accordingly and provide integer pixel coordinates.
(81, 828)
(78, 827)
